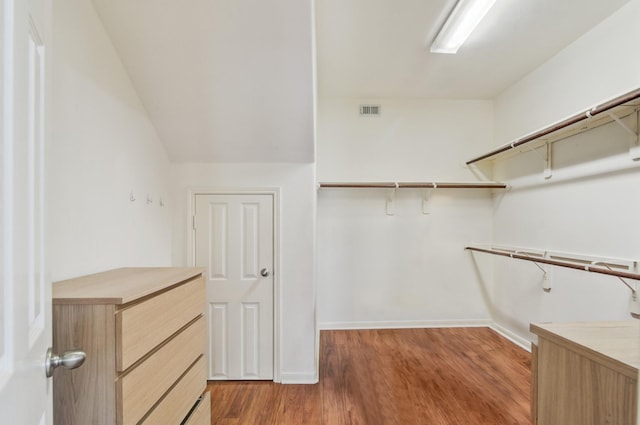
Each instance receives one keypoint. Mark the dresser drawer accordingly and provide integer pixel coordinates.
(202, 413)
(143, 326)
(175, 406)
(139, 389)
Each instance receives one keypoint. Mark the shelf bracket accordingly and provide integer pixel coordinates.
(426, 197)
(634, 302)
(634, 306)
(627, 284)
(547, 165)
(546, 274)
(547, 158)
(391, 200)
(634, 149)
(477, 172)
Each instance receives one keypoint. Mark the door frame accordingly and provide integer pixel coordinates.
(277, 302)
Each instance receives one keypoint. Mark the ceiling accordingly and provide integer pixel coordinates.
(222, 80)
(380, 48)
(233, 80)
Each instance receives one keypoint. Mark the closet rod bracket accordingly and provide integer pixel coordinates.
(546, 275)
(624, 126)
(634, 306)
(547, 167)
(634, 293)
(547, 172)
(426, 200)
(391, 200)
(634, 149)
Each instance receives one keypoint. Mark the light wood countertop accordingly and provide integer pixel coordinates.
(120, 286)
(614, 344)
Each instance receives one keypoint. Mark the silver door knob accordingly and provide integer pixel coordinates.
(69, 360)
(264, 272)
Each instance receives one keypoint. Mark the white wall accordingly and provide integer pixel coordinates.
(297, 247)
(598, 66)
(589, 205)
(409, 269)
(103, 147)
(412, 139)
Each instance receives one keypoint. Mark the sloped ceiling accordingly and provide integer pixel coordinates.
(222, 80)
(233, 80)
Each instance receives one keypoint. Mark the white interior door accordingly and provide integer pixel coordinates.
(234, 242)
(25, 291)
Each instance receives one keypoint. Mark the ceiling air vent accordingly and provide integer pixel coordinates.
(369, 110)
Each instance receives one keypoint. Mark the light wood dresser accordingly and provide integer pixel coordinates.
(585, 373)
(144, 334)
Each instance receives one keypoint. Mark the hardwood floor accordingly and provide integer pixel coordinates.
(466, 376)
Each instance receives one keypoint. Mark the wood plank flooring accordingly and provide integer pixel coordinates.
(466, 376)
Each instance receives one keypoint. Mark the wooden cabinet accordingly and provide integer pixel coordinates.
(144, 333)
(586, 373)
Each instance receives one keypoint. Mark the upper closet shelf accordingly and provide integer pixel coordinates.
(412, 185)
(427, 186)
(612, 110)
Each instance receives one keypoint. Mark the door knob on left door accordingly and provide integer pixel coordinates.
(264, 272)
(69, 360)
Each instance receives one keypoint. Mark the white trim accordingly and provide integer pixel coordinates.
(404, 324)
(299, 378)
(523, 343)
(511, 336)
(277, 293)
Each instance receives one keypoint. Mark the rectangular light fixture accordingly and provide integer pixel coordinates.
(464, 18)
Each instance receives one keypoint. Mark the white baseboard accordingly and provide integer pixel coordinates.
(511, 336)
(470, 323)
(403, 324)
(298, 378)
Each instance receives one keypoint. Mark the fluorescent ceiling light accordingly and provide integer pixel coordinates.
(464, 18)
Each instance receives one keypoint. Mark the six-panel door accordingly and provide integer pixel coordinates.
(234, 242)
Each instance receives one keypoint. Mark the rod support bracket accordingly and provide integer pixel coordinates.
(391, 200)
(634, 293)
(548, 173)
(546, 273)
(634, 305)
(634, 150)
(426, 201)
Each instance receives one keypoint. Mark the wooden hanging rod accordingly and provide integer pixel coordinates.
(583, 267)
(596, 110)
(414, 185)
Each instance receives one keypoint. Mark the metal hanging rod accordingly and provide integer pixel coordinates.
(591, 267)
(414, 185)
(590, 113)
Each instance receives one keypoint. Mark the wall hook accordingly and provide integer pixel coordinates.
(149, 199)
(132, 198)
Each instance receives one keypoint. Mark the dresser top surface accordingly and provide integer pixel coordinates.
(617, 341)
(120, 286)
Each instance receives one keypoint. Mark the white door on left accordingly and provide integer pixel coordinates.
(25, 289)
